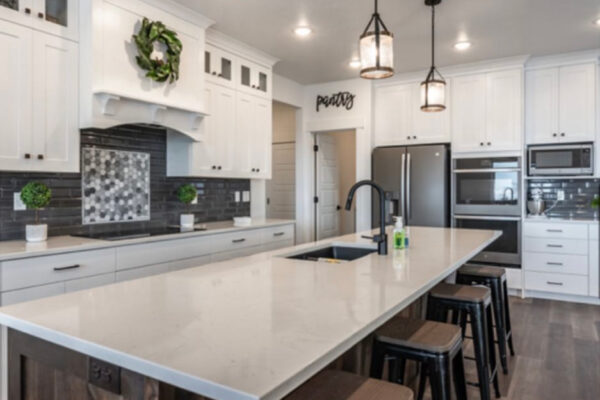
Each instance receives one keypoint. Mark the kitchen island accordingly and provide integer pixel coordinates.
(250, 328)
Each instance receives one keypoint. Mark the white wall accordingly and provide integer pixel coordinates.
(331, 119)
(288, 91)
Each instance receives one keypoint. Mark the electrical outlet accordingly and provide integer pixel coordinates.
(237, 197)
(560, 195)
(18, 204)
(246, 196)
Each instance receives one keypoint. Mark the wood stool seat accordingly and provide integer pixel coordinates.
(471, 294)
(340, 385)
(430, 336)
(484, 271)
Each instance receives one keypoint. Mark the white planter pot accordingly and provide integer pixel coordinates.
(36, 233)
(186, 221)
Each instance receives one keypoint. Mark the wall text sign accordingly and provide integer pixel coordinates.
(341, 99)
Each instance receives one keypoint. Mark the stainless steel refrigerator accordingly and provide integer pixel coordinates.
(416, 180)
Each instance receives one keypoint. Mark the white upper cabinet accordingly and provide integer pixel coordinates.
(57, 17)
(560, 104)
(468, 113)
(400, 121)
(487, 111)
(40, 130)
(254, 78)
(220, 66)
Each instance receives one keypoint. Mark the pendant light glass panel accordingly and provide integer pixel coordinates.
(377, 63)
(433, 96)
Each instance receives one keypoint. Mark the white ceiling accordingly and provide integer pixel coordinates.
(497, 28)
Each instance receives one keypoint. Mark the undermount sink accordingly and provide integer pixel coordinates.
(334, 253)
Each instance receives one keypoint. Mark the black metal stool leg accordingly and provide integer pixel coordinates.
(499, 317)
(458, 373)
(400, 371)
(377, 361)
(492, 352)
(480, 344)
(507, 321)
(441, 388)
(422, 381)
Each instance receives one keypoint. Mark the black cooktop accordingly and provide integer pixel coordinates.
(134, 234)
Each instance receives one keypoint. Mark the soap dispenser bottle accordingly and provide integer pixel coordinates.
(399, 234)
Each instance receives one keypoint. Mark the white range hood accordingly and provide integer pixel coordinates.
(115, 91)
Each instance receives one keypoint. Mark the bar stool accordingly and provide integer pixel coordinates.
(495, 279)
(436, 346)
(339, 385)
(474, 302)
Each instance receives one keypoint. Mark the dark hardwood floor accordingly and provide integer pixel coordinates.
(557, 348)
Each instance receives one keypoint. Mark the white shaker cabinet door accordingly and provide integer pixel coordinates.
(261, 143)
(55, 104)
(393, 115)
(469, 113)
(15, 96)
(504, 110)
(430, 127)
(225, 126)
(541, 106)
(577, 103)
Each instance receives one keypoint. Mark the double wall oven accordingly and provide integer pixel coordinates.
(487, 195)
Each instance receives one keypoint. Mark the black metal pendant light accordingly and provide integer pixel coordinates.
(376, 49)
(433, 89)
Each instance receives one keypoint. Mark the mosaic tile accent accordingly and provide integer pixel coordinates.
(13, 4)
(579, 193)
(115, 185)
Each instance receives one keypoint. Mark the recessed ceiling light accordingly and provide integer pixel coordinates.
(356, 64)
(462, 45)
(597, 22)
(302, 31)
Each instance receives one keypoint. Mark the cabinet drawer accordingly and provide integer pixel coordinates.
(555, 246)
(90, 282)
(189, 263)
(278, 233)
(594, 231)
(228, 255)
(555, 231)
(162, 252)
(556, 263)
(43, 270)
(278, 245)
(143, 272)
(556, 283)
(235, 241)
(34, 293)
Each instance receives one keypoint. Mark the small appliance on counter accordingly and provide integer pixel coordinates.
(536, 206)
(561, 159)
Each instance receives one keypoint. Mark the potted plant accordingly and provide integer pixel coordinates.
(187, 194)
(36, 196)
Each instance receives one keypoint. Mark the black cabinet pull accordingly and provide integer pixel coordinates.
(40, 157)
(279, 234)
(27, 10)
(239, 240)
(556, 246)
(58, 269)
(27, 156)
(554, 283)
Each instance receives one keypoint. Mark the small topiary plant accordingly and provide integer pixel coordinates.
(36, 195)
(187, 193)
(595, 202)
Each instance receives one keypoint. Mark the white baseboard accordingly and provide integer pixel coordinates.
(554, 296)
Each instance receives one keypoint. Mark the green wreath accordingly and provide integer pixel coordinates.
(158, 70)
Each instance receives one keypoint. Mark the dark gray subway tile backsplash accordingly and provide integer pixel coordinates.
(216, 200)
(579, 194)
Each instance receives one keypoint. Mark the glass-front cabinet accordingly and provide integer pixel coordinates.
(219, 66)
(254, 78)
(57, 17)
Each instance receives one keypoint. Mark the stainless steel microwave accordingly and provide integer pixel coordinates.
(561, 159)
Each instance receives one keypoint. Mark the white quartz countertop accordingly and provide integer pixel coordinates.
(15, 249)
(249, 328)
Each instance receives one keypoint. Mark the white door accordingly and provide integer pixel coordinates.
(393, 115)
(262, 135)
(15, 96)
(328, 188)
(541, 106)
(225, 129)
(281, 189)
(429, 127)
(55, 104)
(576, 103)
(504, 115)
(468, 116)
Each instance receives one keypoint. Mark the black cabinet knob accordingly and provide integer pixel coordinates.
(41, 15)
(481, 144)
(220, 168)
(257, 169)
(408, 137)
(414, 137)
(563, 134)
(554, 134)
(27, 10)
(214, 167)
(214, 73)
(489, 143)
(40, 157)
(27, 156)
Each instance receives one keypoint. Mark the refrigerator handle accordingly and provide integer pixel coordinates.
(402, 188)
(408, 211)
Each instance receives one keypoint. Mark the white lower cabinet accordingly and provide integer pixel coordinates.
(137, 273)
(33, 293)
(89, 283)
(561, 258)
